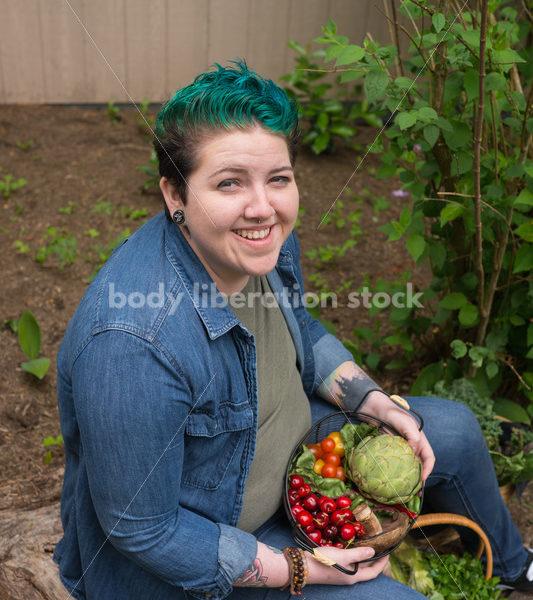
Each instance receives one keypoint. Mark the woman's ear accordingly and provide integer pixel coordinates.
(171, 195)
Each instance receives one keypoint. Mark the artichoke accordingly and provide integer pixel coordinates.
(385, 468)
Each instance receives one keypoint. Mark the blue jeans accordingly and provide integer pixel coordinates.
(463, 482)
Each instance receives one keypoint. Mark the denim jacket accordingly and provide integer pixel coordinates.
(157, 395)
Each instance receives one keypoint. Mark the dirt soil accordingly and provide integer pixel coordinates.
(82, 180)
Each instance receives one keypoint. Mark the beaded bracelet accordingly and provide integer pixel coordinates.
(297, 569)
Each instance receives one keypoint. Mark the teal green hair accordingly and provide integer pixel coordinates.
(221, 99)
(229, 97)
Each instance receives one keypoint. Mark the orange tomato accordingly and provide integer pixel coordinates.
(317, 468)
(332, 459)
(327, 444)
(339, 444)
(340, 474)
(316, 450)
(329, 471)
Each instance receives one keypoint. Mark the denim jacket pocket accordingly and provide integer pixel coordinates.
(213, 442)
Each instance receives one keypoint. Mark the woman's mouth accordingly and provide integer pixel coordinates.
(255, 234)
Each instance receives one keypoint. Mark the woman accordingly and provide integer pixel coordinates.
(181, 398)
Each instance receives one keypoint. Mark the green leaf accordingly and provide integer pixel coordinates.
(322, 121)
(321, 142)
(523, 259)
(416, 245)
(427, 378)
(296, 47)
(37, 366)
(460, 137)
(431, 134)
(459, 348)
(350, 54)
(525, 231)
(450, 212)
(525, 197)
(372, 360)
(471, 83)
(29, 335)
(406, 120)
(468, 315)
(50, 441)
(511, 410)
(376, 82)
(427, 113)
(453, 301)
(495, 81)
(342, 130)
(438, 20)
(491, 369)
(404, 83)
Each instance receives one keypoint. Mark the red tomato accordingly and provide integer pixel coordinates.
(339, 444)
(316, 450)
(327, 444)
(329, 471)
(340, 474)
(332, 459)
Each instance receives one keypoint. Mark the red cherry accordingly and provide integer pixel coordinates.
(304, 490)
(296, 481)
(347, 531)
(297, 509)
(304, 518)
(315, 536)
(327, 504)
(310, 503)
(343, 502)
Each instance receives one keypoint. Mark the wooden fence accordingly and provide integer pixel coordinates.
(93, 51)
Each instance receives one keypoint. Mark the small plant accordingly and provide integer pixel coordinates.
(113, 112)
(152, 170)
(61, 244)
(145, 121)
(102, 208)
(51, 441)
(8, 185)
(22, 247)
(103, 252)
(67, 210)
(128, 212)
(29, 334)
(92, 233)
(24, 146)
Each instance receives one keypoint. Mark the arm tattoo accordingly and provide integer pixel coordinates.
(338, 387)
(275, 550)
(253, 577)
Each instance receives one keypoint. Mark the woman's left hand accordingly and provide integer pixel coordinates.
(381, 406)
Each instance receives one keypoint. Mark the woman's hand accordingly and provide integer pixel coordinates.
(319, 573)
(270, 568)
(381, 406)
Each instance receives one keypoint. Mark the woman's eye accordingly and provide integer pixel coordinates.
(280, 179)
(227, 183)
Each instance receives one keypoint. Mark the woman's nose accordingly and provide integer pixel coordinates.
(259, 205)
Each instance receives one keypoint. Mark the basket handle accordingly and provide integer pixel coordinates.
(453, 519)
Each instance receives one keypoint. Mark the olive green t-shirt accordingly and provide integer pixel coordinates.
(284, 411)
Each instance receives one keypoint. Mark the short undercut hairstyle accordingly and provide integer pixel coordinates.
(219, 100)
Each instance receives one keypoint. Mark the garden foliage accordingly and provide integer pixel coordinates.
(457, 106)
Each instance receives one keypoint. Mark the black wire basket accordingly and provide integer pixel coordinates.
(320, 430)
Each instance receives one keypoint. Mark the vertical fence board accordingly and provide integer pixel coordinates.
(267, 44)
(186, 42)
(145, 54)
(63, 51)
(105, 54)
(229, 30)
(21, 52)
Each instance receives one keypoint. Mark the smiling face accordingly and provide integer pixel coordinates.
(242, 204)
